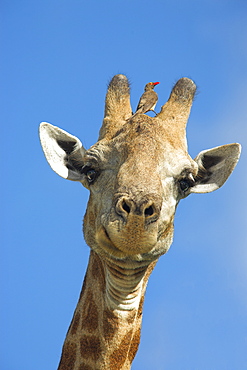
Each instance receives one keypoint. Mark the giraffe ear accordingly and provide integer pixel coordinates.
(214, 167)
(64, 152)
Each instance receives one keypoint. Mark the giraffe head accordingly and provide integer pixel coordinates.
(137, 172)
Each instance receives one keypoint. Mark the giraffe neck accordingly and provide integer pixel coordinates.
(105, 331)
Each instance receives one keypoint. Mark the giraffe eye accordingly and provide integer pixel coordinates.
(90, 174)
(184, 185)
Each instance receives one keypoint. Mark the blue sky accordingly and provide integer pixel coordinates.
(57, 58)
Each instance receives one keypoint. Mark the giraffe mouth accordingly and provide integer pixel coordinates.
(133, 239)
(104, 241)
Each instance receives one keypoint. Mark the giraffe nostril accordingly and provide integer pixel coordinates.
(126, 207)
(149, 211)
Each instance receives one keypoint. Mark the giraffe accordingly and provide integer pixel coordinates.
(137, 172)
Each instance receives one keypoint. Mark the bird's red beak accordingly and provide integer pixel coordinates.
(156, 83)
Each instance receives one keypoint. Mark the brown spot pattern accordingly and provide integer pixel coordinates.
(134, 346)
(68, 357)
(118, 357)
(85, 367)
(98, 272)
(110, 325)
(131, 317)
(90, 315)
(75, 323)
(139, 313)
(83, 287)
(90, 347)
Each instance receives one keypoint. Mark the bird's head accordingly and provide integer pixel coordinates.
(151, 85)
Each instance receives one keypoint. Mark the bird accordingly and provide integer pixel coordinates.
(148, 99)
